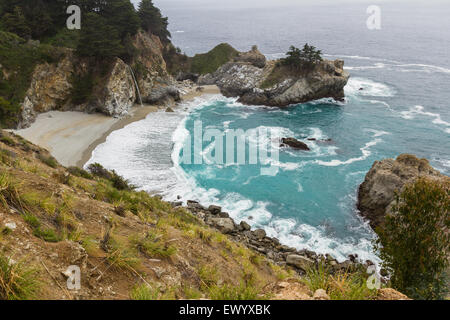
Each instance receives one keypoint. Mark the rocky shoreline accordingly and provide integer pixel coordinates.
(271, 248)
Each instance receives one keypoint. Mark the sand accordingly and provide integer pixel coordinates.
(71, 136)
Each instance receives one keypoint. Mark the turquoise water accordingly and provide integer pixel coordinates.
(404, 71)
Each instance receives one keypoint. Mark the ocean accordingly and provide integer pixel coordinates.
(403, 69)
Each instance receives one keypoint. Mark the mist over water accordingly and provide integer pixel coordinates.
(403, 107)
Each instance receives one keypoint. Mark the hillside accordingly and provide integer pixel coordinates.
(128, 244)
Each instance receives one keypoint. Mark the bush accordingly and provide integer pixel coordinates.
(78, 172)
(414, 242)
(48, 160)
(98, 170)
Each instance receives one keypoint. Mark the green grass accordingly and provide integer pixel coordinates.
(153, 246)
(122, 256)
(211, 61)
(343, 285)
(17, 282)
(231, 292)
(144, 292)
(46, 234)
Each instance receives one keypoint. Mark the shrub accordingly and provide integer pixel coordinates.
(98, 170)
(78, 172)
(414, 241)
(17, 282)
(48, 160)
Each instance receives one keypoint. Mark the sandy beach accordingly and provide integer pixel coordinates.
(71, 136)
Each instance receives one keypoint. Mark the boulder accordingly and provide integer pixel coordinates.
(254, 57)
(295, 144)
(225, 225)
(321, 294)
(376, 194)
(259, 234)
(119, 92)
(214, 209)
(300, 262)
(245, 226)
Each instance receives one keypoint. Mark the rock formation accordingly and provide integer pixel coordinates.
(114, 94)
(258, 82)
(50, 86)
(377, 193)
(294, 143)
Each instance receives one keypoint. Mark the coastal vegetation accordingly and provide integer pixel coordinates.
(35, 32)
(209, 62)
(297, 62)
(414, 242)
(138, 245)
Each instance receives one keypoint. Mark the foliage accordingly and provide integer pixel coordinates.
(19, 59)
(152, 20)
(153, 246)
(98, 38)
(211, 61)
(343, 285)
(78, 172)
(413, 242)
(305, 58)
(17, 282)
(48, 160)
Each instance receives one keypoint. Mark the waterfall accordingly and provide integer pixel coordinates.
(137, 87)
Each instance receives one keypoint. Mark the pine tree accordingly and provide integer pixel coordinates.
(152, 20)
(16, 22)
(98, 38)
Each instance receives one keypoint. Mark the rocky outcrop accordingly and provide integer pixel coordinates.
(254, 57)
(258, 82)
(376, 194)
(257, 240)
(294, 143)
(113, 94)
(155, 84)
(49, 89)
(119, 93)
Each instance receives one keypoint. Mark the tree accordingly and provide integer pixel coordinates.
(306, 58)
(121, 15)
(16, 22)
(98, 39)
(414, 241)
(152, 20)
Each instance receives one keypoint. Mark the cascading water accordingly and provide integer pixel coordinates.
(135, 83)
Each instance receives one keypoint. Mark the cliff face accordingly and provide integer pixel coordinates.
(258, 82)
(113, 94)
(377, 193)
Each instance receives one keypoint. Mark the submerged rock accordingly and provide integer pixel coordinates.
(294, 143)
(376, 194)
